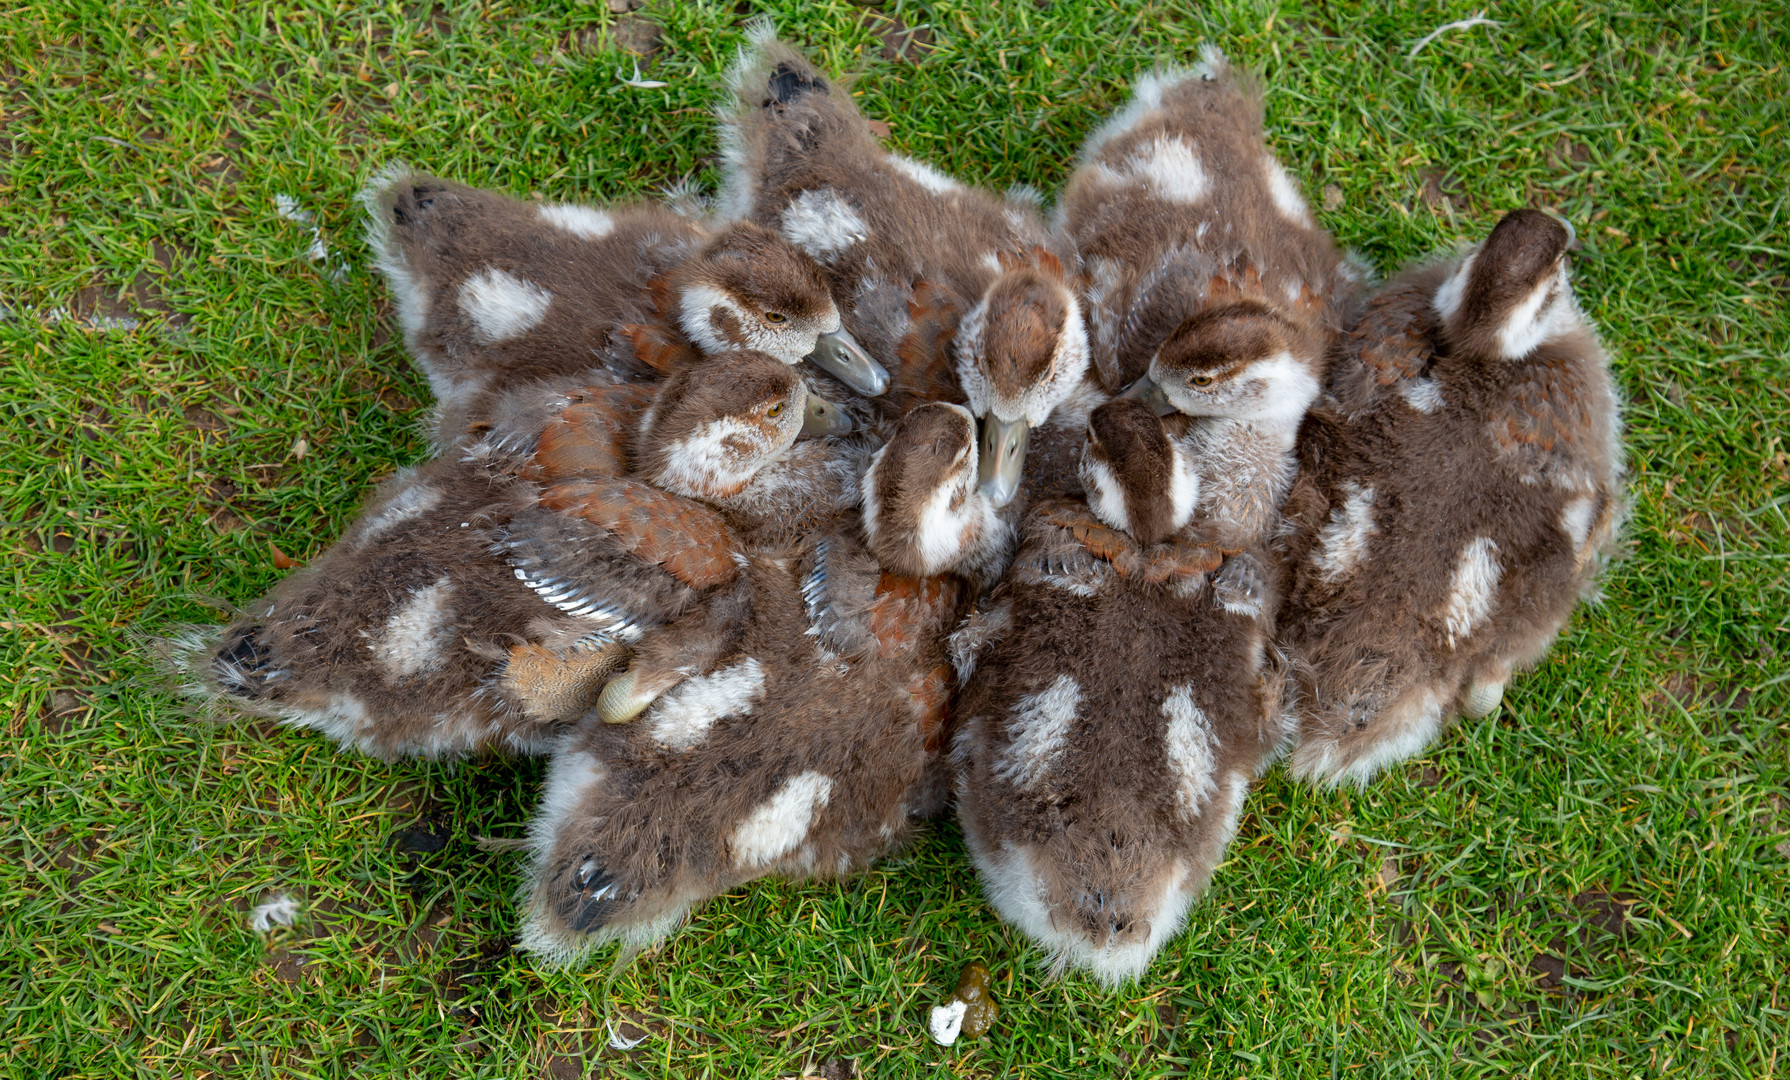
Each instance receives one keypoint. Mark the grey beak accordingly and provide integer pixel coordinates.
(1146, 391)
(839, 355)
(1003, 458)
(822, 417)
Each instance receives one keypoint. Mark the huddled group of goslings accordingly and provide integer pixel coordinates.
(858, 495)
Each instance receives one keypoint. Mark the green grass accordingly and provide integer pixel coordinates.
(1393, 932)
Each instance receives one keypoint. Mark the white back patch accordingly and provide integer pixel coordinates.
(780, 824)
(1575, 519)
(822, 223)
(416, 635)
(1172, 169)
(1189, 743)
(1343, 541)
(1475, 587)
(1285, 193)
(585, 222)
(501, 305)
(682, 718)
(1037, 732)
(411, 503)
(925, 175)
(1424, 394)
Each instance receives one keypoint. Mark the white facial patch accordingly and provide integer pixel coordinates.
(779, 825)
(1183, 485)
(694, 307)
(1105, 497)
(1575, 519)
(1038, 731)
(1547, 312)
(502, 306)
(1190, 745)
(1292, 387)
(584, 222)
(1343, 541)
(682, 718)
(411, 503)
(1448, 296)
(702, 465)
(823, 224)
(942, 534)
(925, 175)
(1473, 590)
(418, 634)
(1423, 394)
(1285, 193)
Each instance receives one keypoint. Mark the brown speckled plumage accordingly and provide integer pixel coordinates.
(1457, 489)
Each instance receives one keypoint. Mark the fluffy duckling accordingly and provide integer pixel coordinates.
(429, 629)
(1457, 489)
(956, 290)
(1121, 705)
(807, 749)
(1207, 279)
(493, 291)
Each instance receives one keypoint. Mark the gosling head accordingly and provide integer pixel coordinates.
(1137, 479)
(1513, 293)
(1021, 352)
(748, 288)
(715, 424)
(1241, 361)
(923, 512)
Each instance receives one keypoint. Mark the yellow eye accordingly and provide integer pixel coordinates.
(774, 411)
(775, 317)
(1202, 380)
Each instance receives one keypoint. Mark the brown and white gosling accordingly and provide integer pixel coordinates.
(1457, 491)
(413, 635)
(1122, 701)
(958, 291)
(495, 292)
(1209, 287)
(807, 747)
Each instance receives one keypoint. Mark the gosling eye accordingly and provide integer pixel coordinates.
(1202, 380)
(775, 317)
(774, 411)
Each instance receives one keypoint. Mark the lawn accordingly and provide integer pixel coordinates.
(197, 388)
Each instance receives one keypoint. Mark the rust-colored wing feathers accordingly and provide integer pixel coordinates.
(689, 540)
(1167, 561)
(906, 610)
(924, 371)
(590, 436)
